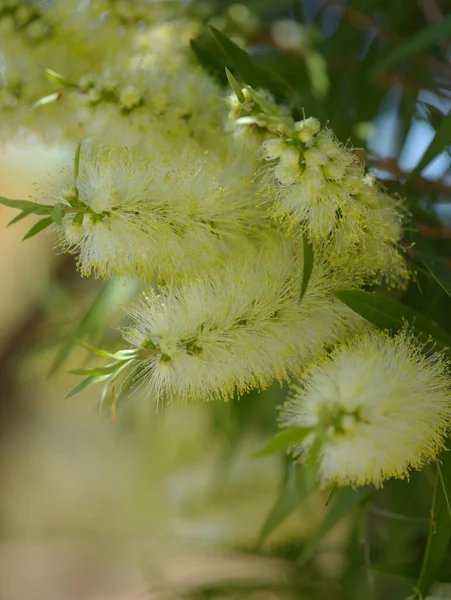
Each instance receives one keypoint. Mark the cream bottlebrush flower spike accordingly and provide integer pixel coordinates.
(377, 406)
(237, 328)
(320, 188)
(171, 214)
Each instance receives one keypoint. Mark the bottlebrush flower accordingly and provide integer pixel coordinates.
(377, 406)
(321, 189)
(166, 214)
(233, 329)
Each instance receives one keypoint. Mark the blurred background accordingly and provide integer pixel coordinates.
(139, 504)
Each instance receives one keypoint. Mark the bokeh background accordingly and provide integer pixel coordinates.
(172, 504)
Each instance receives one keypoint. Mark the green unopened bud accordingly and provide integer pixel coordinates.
(307, 129)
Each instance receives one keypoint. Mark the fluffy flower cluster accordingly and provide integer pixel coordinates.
(166, 215)
(375, 407)
(321, 189)
(236, 328)
(243, 220)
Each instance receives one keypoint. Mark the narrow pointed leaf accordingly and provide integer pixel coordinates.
(439, 529)
(57, 214)
(77, 162)
(441, 140)
(426, 37)
(23, 204)
(86, 383)
(97, 372)
(297, 487)
(20, 216)
(249, 72)
(46, 100)
(283, 440)
(57, 78)
(439, 271)
(386, 313)
(235, 86)
(342, 505)
(117, 355)
(38, 227)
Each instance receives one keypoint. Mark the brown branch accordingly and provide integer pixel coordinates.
(391, 165)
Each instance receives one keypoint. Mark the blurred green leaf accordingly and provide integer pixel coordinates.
(249, 72)
(342, 505)
(85, 384)
(38, 227)
(299, 484)
(427, 36)
(77, 162)
(57, 78)
(88, 322)
(441, 139)
(283, 440)
(208, 59)
(439, 529)
(99, 371)
(409, 570)
(439, 271)
(46, 100)
(390, 314)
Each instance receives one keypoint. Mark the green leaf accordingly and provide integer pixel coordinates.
(283, 440)
(299, 484)
(409, 570)
(46, 100)
(99, 371)
(131, 353)
(308, 264)
(38, 227)
(439, 271)
(88, 322)
(248, 71)
(390, 314)
(24, 205)
(57, 78)
(441, 139)
(266, 105)
(343, 504)
(439, 529)
(85, 384)
(208, 60)
(20, 216)
(77, 162)
(235, 86)
(57, 214)
(427, 36)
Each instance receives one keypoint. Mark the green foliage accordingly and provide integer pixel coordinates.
(386, 313)
(439, 528)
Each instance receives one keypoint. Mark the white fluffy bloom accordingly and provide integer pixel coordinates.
(239, 327)
(377, 406)
(321, 189)
(166, 214)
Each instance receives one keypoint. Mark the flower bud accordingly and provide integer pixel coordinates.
(307, 129)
